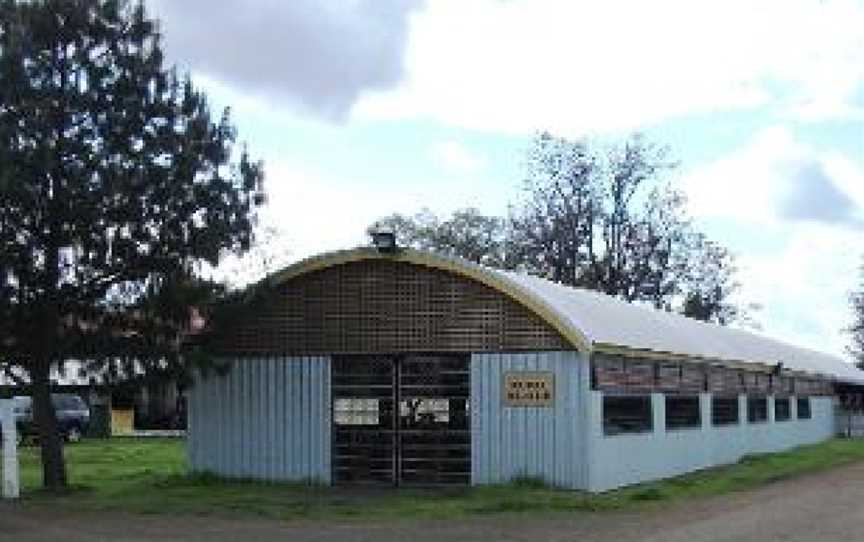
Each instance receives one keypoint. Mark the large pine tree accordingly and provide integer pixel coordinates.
(116, 185)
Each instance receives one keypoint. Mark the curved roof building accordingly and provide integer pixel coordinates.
(598, 322)
(403, 367)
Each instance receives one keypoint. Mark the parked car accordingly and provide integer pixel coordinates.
(73, 416)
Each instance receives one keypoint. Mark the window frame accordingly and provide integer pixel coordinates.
(646, 415)
(750, 410)
(788, 417)
(733, 399)
(678, 424)
(806, 401)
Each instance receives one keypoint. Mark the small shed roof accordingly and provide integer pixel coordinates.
(599, 322)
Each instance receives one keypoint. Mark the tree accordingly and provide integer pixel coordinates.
(554, 227)
(709, 282)
(603, 218)
(116, 186)
(857, 329)
(467, 233)
(267, 255)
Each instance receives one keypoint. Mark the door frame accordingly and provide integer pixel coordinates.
(396, 396)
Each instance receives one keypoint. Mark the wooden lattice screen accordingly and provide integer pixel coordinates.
(633, 375)
(379, 306)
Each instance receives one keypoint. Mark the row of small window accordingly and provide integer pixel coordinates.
(633, 414)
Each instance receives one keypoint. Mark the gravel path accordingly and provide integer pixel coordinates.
(825, 507)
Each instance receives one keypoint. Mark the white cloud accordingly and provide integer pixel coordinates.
(454, 157)
(745, 184)
(804, 286)
(758, 183)
(319, 213)
(806, 265)
(313, 214)
(835, 89)
(573, 67)
(319, 55)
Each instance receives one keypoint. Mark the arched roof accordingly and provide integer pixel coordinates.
(596, 322)
(457, 266)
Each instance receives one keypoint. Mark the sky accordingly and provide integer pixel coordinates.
(362, 108)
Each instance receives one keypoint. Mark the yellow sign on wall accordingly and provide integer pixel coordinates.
(529, 389)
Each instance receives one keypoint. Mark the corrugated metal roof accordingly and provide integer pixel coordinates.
(593, 320)
(605, 320)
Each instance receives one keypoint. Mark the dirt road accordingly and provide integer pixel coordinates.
(825, 507)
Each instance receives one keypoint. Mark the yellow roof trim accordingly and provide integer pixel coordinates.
(459, 267)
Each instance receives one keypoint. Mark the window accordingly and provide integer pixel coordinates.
(804, 412)
(417, 412)
(724, 410)
(356, 411)
(64, 402)
(757, 409)
(683, 412)
(627, 414)
(782, 410)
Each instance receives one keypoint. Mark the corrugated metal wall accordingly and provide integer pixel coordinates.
(625, 459)
(541, 442)
(266, 419)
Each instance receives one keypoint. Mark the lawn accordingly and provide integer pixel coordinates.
(150, 476)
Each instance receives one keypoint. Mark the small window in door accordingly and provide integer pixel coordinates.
(356, 411)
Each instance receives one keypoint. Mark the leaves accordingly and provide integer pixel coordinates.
(467, 233)
(604, 218)
(597, 217)
(116, 185)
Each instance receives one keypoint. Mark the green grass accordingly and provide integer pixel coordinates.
(150, 477)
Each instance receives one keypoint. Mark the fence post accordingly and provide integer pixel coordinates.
(11, 474)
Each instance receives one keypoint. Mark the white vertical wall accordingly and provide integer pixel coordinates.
(270, 419)
(620, 460)
(11, 474)
(541, 442)
(266, 419)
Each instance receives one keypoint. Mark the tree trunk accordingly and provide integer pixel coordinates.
(45, 418)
